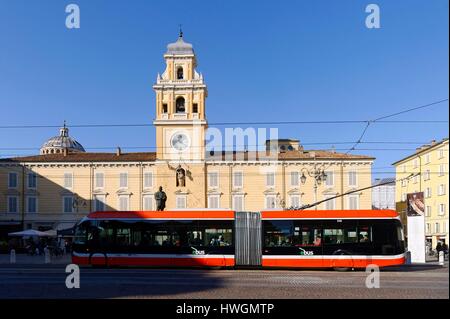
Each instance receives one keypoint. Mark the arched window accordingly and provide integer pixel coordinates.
(180, 73)
(180, 105)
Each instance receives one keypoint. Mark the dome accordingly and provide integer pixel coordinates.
(57, 144)
(180, 47)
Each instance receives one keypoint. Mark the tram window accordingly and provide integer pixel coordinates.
(195, 238)
(364, 234)
(278, 233)
(218, 237)
(309, 236)
(214, 233)
(184, 233)
(93, 235)
(81, 233)
(106, 233)
(384, 233)
(400, 233)
(123, 236)
(339, 235)
(333, 236)
(351, 236)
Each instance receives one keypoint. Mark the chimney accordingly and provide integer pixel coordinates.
(118, 151)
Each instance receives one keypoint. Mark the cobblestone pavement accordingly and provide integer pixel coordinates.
(48, 281)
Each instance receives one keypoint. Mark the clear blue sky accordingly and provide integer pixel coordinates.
(262, 61)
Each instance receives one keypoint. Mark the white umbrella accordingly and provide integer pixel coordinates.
(30, 232)
(51, 233)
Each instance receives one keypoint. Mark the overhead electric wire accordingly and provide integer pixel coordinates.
(357, 190)
(221, 124)
(225, 147)
(378, 120)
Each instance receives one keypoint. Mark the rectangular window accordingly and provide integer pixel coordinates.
(238, 202)
(181, 201)
(195, 108)
(271, 201)
(210, 233)
(279, 234)
(238, 180)
(441, 190)
(436, 228)
(441, 153)
(68, 180)
(31, 204)
(32, 180)
(428, 192)
(427, 158)
(428, 229)
(295, 200)
(340, 236)
(353, 202)
(148, 179)
(403, 183)
(99, 180)
(100, 203)
(270, 179)
(67, 204)
(426, 175)
(441, 169)
(330, 178)
(330, 204)
(352, 179)
(12, 180)
(427, 211)
(123, 236)
(13, 204)
(148, 202)
(213, 179)
(164, 108)
(441, 209)
(123, 180)
(213, 201)
(294, 179)
(415, 179)
(124, 202)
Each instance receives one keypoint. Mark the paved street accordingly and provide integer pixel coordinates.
(48, 281)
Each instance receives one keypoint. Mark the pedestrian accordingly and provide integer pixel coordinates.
(445, 249)
(438, 248)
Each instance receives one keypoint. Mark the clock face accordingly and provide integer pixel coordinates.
(179, 141)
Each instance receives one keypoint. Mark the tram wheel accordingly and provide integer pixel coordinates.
(104, 265)
(342, 253)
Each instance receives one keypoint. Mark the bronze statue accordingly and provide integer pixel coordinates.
(160, 198)
(181, 177)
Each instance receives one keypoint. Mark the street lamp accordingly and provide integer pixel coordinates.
(319, 176)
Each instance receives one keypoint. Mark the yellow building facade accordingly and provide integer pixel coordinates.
(429, 167)
(64, 183)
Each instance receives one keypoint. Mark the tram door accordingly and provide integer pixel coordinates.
(248, 239)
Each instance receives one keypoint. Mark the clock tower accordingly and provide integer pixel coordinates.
(180, 106)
